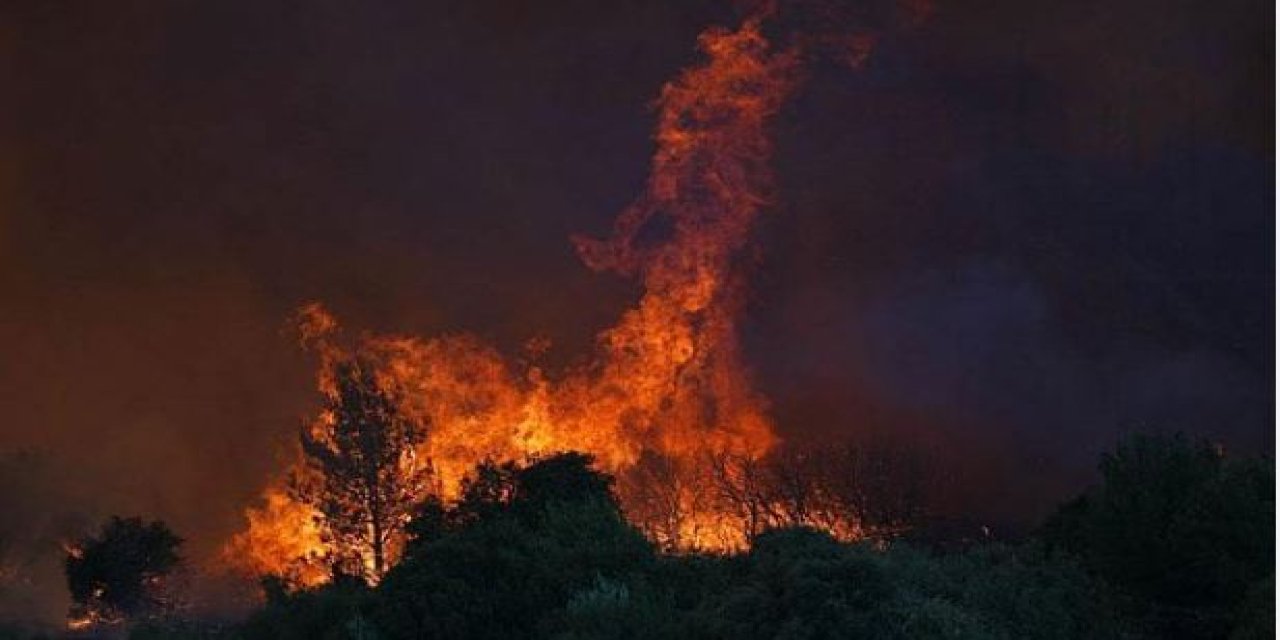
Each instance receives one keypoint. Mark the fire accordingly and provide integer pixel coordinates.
(81, 623)
(283, 539)
(667, 390)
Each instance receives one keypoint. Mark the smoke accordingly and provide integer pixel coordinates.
(41, 512)
(973, 361)
(176, 180)
(163, 402)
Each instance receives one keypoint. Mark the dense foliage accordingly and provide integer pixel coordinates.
(1187, 533)
(120, 573)
(1176, 542)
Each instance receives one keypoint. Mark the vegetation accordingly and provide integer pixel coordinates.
(542, 550)
(361, 471)
(120, 574)
(1175, 542)
(1187, 534)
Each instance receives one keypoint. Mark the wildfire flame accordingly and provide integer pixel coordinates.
(667, 389)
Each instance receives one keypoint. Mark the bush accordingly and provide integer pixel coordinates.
(331, 612)
(507, 560)
(613, 610)
(1178, 527)
(543, 551)
(803, 583)
(500, 577)
(1256, 617)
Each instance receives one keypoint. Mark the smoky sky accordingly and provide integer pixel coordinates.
(1020, 231)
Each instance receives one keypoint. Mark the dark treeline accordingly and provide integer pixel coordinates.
(1176, 541)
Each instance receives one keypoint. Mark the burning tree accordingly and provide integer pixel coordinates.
(361, 474)
(120, 573)
(667, 385)
(852, 491)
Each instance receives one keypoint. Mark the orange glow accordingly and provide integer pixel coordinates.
(282, 540)
(667, 389)
(79, 624)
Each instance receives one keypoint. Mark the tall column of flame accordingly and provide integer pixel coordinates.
(668, 385)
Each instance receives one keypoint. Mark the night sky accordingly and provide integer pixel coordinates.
(1021, 230)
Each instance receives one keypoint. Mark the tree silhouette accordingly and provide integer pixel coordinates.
(1184, 529)
(521, 491)
(120, 573)
(362, 473)
(523, 538)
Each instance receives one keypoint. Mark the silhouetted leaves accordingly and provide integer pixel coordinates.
(541, 550)
(120, 573)
(1184, 530)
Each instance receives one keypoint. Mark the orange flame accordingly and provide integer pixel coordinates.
(668, 387)
(283, 539)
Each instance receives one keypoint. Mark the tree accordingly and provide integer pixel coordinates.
(854, 491)
(562, 478)
(510, 489)
(515, 549)
(362, 473)
(1177, 525)
(882, 484)
(663, 495)
(486, 492)
(541, 550)
(335, 610)
(120, 573)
